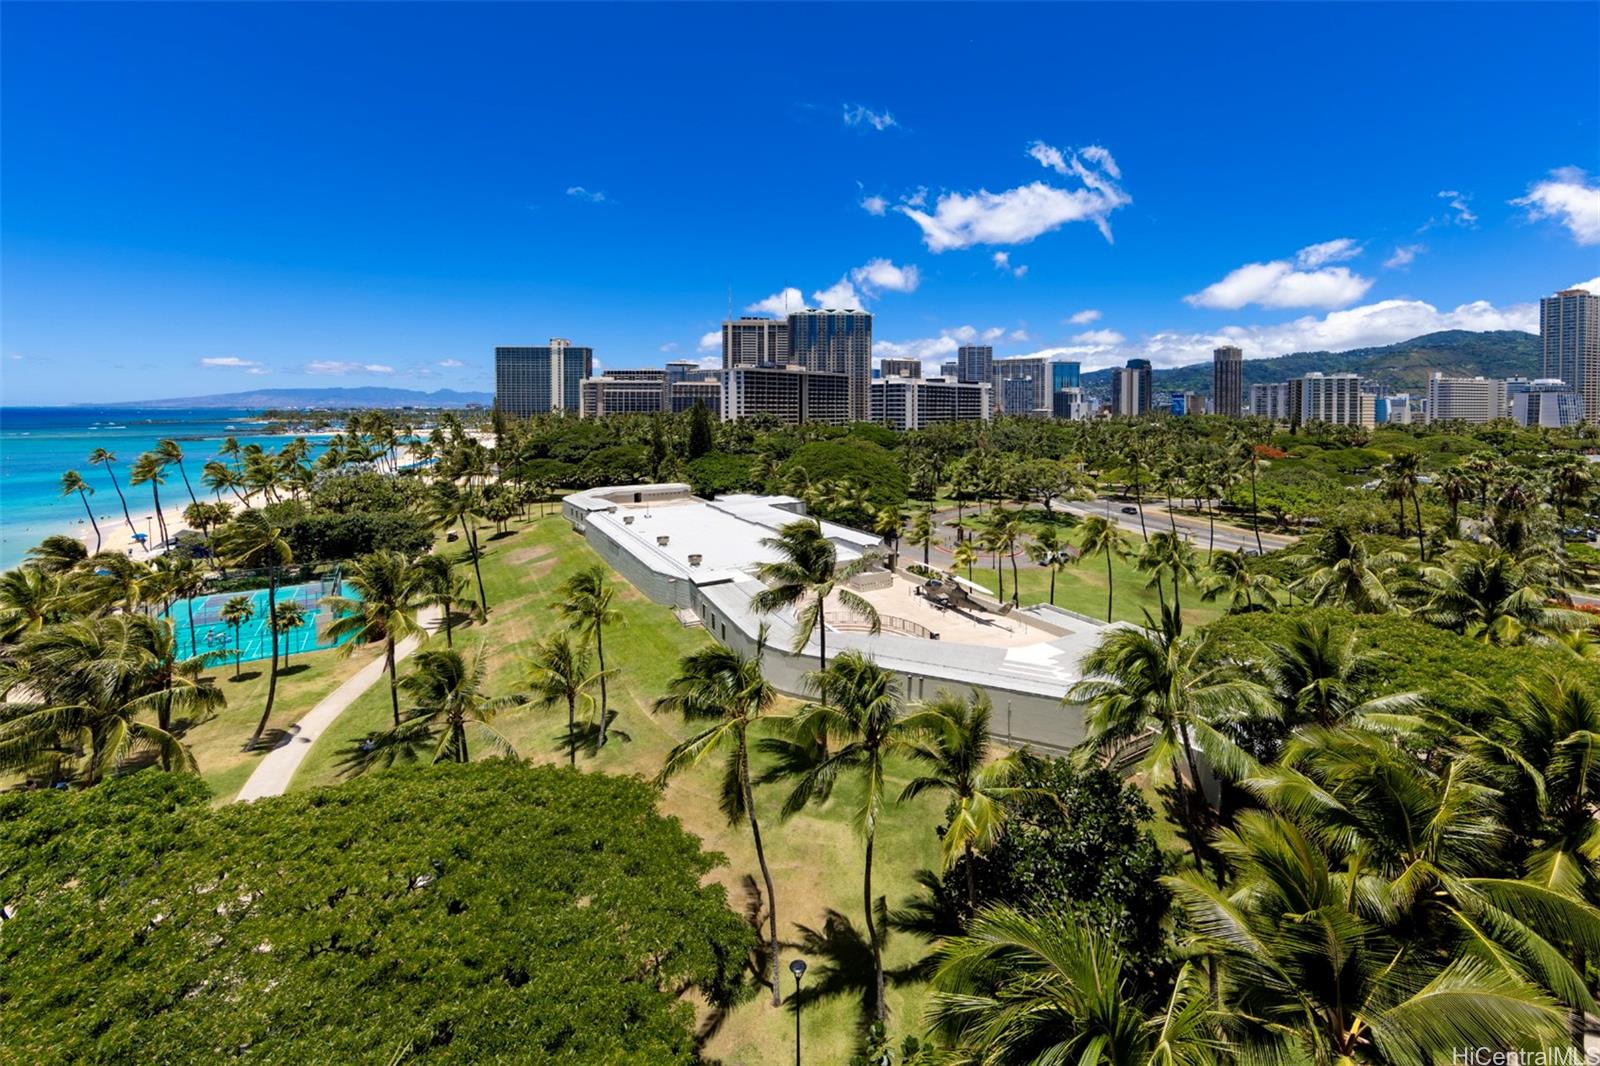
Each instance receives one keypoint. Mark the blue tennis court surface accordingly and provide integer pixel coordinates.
(212, 635)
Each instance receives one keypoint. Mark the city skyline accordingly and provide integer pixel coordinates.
(362, 226)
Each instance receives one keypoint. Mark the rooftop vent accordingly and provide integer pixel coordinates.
(627, 519)
(694, 560)
(661, 542)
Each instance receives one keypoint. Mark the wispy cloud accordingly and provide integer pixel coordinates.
(1280, 284)
(1084, 317)
(1460, 213)
(1100, 336)
(594, 196)
(1002, 261)
(332, 366)
(857, 115)
(1403, 256)
(875, 205)
(1334, 251)
(228, 362)
(1570, 197)
(450, 364)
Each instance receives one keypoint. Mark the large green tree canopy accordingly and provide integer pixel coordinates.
(485, 912)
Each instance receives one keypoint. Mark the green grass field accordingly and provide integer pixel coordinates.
(815, 857)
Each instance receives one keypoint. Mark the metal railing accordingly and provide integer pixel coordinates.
(845, 621)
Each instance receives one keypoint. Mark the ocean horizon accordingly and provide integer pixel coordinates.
(39, 444)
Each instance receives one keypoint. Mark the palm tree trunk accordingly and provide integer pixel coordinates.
(272, 675)
(878, 1010)
(238, 649)
(1138, 500)
(605, 704)
(1016, 594)
(90, 511)
(449, 635)
(394, 680)
(189, 606)
(161, 519)
(572, 725)
(761, 860)
(472, 546)
(1196, 801)
(1422, 547)
(1177, 601)
(1052, 584)
(1108, 585)
(972, 880)
(124, 500)
(1255, 509)
(190, 488)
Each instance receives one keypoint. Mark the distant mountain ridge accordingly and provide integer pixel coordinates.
(345, 397)
(1404, 365)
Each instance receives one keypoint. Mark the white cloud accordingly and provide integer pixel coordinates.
(258, 371)
(1383, 322)
(1334, 251)
(1002, 261)
(1018, 335)
(1100, 336)
(1021, 271)
(1084, 317)
(931, 351)
(875, 205)
(709, 362)
(232, 362)
(840, 294)
(331, 366)
(1570, 197)
(578, 192)
(917, 199)
(862, 116)
(1461, 214)
(712, 342)
(450, 364)
(1048, 157)
(1017, 216)
(992, 334)
(779, 303)
(670, 346)
(1404, 255)
(882, 275)
(1593, 285)
(1279, 284)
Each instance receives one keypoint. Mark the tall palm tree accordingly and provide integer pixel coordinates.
(446, 590)
(168, 451)
(806, 574)
(1341, 570)
(1486, 592)
(1168, 553)
(287, 616)
(859, 710)
(888, 523)
(101, 457)
(148, 468)
(392, 590)
(218, 476)
(1050, 550)
(924, 532)
(587, 602)
(1047, 987)
(1229, 574)
(252, 540)
(954, 741)
(1099, 535)
(964, 556)
(559, 673)
(72, 482)
(447, 698)
(725, 693)
(177, 685)
(1248, 455)
(452, 506)
(1401, 483)
(1167, 693)
(235, 613)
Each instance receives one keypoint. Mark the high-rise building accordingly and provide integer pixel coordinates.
(755, 342)
(1547, 402)
(836, 342)
(916, 403)
(707, 391)
(790, 394)
(1336, 399)
(684, 369)
(624, 393)
(538, 380)
(900, 368)
(1403, 410)
(974, 362)
(1569, 326)
(1227, 381)
(1476, 400)
(1185, 403)
(1069, 403)
(951, 369)
(1130, 389)
(1270, 401)
(1021, 385)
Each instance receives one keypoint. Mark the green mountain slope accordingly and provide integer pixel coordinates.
(1406, 365)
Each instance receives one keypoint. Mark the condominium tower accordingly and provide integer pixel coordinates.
(539, 380)
(755, 342)
(1475, 400)
(1130, 389)
(974, 362)
(836, 342)
(1021, 384)
(1569, 326)
(900, 368)
(1227, 381)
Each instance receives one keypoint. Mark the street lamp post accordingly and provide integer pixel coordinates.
(798, 968)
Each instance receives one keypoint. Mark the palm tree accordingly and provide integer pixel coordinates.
(30, 599)
(252, 540)
(447, 697)
(178, 686)
(1456, 484)
(235, 613)
(1401, 483)
(1342, 571)
(392, 591)
(888, 522)
(955, 742)
(858, 708)
(451, 506)
(725, 692)
(1047, 987)
(72, 482)
(992, 539)
(1008, 533)
(808, 572)
(1170, 552)
(1100, 536)
(1050, 551)
(586, 602)
(149, 468)
(168, 451)
(101, 457)
(1230, 574)
(1165, 693)
(287, 616)
(965, 555)
(1319, 676)
(57, 554)
(1485, 592)
(924, 532)
(559, 673)
(1247, 453)
(218, 476)
(446, 590)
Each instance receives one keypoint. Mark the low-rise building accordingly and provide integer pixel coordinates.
(1547, 402)
(916, 403)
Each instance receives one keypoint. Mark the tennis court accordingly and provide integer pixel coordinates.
(214, 636)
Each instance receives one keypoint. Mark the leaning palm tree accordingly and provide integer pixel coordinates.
(447, 698)
(807, 572)
(168, 451)
(1229, 575)
(924, 532)
(954, 743)
(1047, 987)
(57, 554)
(451, 506)
(235, 613)
(72, 482)
(559, 673)
(446, 590)
(587, 603)
(101, 457)
(858, 708)
(150, 469)
(392, 591)
(725, 693)
(252, 540)
(1100, 536)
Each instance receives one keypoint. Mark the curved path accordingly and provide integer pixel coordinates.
(277, 768)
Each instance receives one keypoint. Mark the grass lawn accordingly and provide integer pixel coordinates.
(815, 857)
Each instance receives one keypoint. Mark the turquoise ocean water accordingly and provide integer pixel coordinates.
(39, 444)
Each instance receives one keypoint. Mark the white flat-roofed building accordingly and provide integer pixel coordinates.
(1475, 400)
(1547, 402)
(916, 403)
(791, 394)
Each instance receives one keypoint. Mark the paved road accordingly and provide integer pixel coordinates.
(1229, 537)
(272, 776)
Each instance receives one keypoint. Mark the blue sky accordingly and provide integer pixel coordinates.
(207, 198)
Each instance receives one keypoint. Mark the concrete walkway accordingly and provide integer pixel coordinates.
(278, 766)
